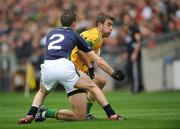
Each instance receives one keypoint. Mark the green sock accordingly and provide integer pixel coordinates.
(89, 106)
(51, 113)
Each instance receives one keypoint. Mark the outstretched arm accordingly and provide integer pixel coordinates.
(118, 75)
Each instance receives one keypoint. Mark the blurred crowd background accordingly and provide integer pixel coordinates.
(24, 24)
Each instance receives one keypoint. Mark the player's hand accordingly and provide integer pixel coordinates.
(26, 120)
(91, 73)
(118, 75)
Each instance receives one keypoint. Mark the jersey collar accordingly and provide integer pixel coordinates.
(66, 28)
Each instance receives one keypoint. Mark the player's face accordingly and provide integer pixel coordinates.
(107, 27)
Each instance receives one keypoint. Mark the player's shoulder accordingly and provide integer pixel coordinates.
(92, 30)
(91, 34)
(58, 30)
(53, 31)
(65, 32)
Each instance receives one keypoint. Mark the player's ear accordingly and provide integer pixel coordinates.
(100, 25)
(73, 26)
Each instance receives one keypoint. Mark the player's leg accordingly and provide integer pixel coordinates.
(77, 99)
(77, 112)
(78, 104)
(85, 82)
(37, 101)
(65, 114)
(100, 82)
(46, 84)
(40, 96)
(70, 80)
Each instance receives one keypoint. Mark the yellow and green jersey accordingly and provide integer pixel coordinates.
(94, 38)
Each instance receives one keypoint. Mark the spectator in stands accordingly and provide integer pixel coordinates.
(37, 17)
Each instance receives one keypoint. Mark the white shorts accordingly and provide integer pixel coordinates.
(59, 71)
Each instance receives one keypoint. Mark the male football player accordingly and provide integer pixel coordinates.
(57, 68)
(94, 37)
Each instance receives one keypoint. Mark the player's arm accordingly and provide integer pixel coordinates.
(85, 46)
(82, 45)
(100, 62)
(86, 60)
(118, 75)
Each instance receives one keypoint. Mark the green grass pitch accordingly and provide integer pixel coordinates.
(158, 110)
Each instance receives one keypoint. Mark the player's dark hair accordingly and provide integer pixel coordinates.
(67, 18)
(102, 17)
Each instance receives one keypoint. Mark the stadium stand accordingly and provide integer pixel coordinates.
(24, 23)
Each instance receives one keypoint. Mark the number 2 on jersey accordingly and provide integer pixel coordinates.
(52, 45)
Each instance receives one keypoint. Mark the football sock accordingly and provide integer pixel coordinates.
(109, 111)
(32, 111)
(50, 113)
(89, 106)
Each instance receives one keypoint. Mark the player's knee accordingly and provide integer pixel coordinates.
(42, 89)
(93, 87)
(58, 115)
(102, 83)
(81, 116)
(42, 92)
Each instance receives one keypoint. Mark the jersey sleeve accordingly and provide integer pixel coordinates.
(93, 38)
(82, 45)
(88, 41)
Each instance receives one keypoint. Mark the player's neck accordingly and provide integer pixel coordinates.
(99, 31)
